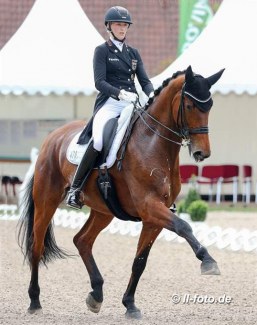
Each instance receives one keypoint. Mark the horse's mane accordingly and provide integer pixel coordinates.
(163, 85)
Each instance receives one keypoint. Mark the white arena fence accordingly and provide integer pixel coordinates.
(229, 238)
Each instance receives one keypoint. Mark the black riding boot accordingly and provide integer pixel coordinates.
(81, 175)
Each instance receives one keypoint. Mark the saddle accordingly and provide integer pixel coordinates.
(114, 136)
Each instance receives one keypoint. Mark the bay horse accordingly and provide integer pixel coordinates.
(147, 185)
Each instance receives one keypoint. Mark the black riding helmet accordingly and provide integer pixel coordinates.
(117, 14)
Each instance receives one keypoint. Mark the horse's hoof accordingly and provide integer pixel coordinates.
(35, 311)
(210, 268)
(92, 304)
(35, 307)
(133, 314)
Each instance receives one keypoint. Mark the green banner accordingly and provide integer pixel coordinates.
(194, 15)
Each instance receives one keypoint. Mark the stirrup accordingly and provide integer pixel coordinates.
(173, 208)
(73, 199)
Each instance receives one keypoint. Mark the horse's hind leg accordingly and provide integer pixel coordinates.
(43, 246)
(146, 240)
(84, 241)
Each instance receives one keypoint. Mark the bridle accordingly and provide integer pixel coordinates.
(184, 131)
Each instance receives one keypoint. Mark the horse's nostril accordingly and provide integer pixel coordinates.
(199, 156)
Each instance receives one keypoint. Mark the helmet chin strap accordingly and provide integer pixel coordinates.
(119, 40)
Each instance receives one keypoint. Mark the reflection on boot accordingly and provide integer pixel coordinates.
(73, 199)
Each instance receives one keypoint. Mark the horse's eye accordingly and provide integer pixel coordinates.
(189, 106)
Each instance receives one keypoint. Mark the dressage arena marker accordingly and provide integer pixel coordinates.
(229, 238)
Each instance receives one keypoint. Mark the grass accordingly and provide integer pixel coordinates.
(228, 206)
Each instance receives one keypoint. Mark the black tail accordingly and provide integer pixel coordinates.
(25, 231)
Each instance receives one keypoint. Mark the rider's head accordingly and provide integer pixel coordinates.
(117, 21)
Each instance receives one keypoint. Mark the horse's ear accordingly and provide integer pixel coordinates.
(189, 74)
(214, 78)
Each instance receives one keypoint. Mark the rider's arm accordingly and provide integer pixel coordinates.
(142, 77)
(99, 64)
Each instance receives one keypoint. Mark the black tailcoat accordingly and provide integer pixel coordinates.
(115, 70)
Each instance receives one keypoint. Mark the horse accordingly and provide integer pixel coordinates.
(147, 186)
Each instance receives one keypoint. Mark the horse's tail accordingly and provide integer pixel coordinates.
(25, 231)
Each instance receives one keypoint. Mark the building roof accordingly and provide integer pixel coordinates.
(52, 51)
(154, 32)
(12, 15)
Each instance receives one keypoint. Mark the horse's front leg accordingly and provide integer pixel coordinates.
(182, 228)
(84, 241)
(163, 217)
(146, 240)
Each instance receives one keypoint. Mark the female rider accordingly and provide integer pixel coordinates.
(115, 66)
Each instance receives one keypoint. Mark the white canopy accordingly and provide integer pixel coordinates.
(52, 51)
(229, 41)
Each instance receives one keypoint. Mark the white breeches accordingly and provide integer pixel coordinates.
(112, 108)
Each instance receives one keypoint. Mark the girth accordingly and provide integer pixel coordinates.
(109, 195)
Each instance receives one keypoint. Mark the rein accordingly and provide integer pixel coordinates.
(184, 131)
(140, 111)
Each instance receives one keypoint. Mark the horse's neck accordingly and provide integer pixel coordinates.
(161, 110)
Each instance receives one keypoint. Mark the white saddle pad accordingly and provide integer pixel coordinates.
(76, 151)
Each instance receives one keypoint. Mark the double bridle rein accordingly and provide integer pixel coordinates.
(184, 131)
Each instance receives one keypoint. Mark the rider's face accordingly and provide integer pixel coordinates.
(119, 29)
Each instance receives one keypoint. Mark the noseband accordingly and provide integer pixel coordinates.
(184, 131)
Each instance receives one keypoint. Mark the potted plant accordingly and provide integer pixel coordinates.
(198, 210)
(192, 208)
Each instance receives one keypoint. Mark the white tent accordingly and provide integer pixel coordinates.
(46, 75)
(229, 42)
(52, 51)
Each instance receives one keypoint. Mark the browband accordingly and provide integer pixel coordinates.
(197, 99)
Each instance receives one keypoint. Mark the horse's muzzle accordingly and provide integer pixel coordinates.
(200, 155)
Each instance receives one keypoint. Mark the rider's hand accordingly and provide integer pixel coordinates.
(127, 96)
(151, 95)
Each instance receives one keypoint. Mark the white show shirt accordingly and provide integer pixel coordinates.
(118, 44)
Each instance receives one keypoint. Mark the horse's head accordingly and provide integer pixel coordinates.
(193, 107)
